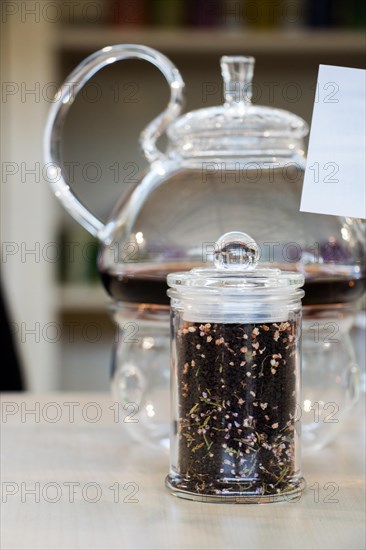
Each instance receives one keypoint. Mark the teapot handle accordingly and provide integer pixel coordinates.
(65, 96)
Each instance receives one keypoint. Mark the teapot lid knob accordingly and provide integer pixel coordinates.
(237, 72)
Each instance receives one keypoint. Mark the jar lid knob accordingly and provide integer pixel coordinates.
(237, 72)
(236, 251)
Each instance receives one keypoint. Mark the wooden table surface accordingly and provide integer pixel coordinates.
(72, 479)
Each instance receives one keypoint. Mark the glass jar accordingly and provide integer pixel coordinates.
(235, 361)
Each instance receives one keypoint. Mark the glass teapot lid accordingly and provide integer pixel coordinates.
(237, 125)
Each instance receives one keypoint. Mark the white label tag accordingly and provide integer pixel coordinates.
(334, 180)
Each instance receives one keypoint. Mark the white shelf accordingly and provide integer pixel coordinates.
(79, 298)
(216, 40)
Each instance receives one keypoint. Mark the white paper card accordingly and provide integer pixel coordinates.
(334, 180)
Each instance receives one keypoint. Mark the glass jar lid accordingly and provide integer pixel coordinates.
(237, 125)
(235, 271)
(235, 290)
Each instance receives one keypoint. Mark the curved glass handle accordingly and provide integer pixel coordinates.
(65, 97)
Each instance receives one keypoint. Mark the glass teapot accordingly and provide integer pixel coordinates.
(225, 168)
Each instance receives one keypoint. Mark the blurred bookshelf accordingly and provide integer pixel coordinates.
(202, 41)
(247, 14)
(205, 26)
